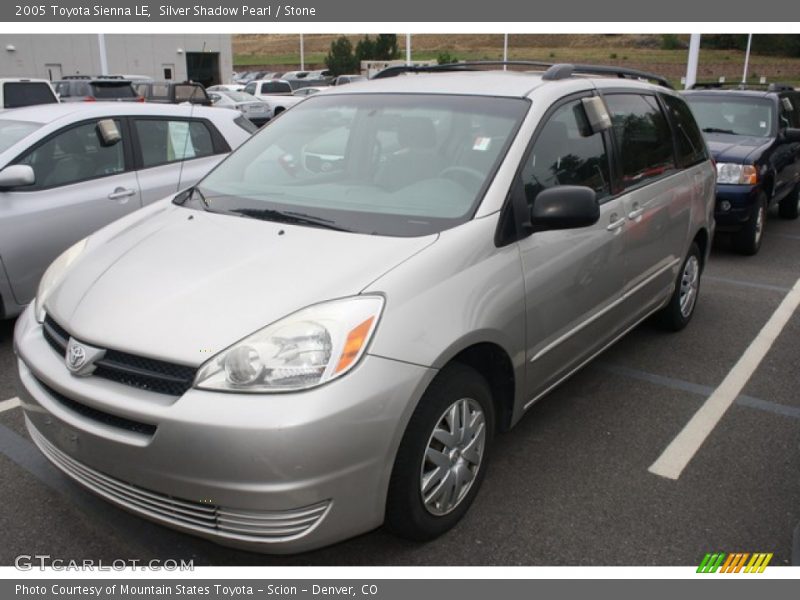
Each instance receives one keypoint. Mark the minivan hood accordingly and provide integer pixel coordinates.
(734, 148)
(183, 284)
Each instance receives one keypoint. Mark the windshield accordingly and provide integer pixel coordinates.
(749, 116)
(13, 131)
(387, 164)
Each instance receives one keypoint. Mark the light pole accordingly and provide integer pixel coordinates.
(302, 55)
(408, 49)
(747, 57)
(691, 65)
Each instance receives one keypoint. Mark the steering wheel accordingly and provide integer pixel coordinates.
(456, 173)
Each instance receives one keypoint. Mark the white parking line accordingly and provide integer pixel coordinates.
(681, 450)
(9, 404)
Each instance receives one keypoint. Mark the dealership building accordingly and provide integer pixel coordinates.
(199, 57)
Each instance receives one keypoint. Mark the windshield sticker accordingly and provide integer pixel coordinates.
(482, 144)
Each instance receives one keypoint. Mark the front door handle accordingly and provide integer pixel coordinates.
(121, 192)
(635, 214)
(615, 223)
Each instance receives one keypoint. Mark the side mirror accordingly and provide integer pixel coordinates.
(16, 175)
(108, 133)
(596, 114)
(791, 135)
(564, 207)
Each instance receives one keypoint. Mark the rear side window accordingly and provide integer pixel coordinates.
(62, 89)
(109, 90)
(566, 153)
(189, 93)
(74, 155)
(276, 87)
(26, 93)
(163, 141)
(691, 147)
(643, 138)
(160, 91)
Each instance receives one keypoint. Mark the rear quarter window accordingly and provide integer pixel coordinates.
(643, 137)
(27, 93)
(276, 87)
(689, 142)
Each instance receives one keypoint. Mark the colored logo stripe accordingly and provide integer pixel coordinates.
(734, 562)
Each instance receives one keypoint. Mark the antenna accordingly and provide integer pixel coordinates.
(188, 133)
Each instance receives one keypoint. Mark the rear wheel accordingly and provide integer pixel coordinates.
(789, 207)
(442, 458)
(747, 241)
(677, 314)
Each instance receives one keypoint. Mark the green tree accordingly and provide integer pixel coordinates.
(386, 46)
(340, 59)
(365, 49)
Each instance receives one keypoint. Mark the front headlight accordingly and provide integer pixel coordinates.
(736, 174)
(53, 275)
(303, 350)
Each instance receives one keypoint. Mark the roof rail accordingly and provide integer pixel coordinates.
(564, 71)
(552, 71)
(769, 87)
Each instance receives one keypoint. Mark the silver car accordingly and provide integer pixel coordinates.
(282, 357)
(66, 170)
(248, 105)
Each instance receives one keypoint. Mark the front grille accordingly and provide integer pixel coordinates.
(234, 524)
(129, 369)
(98, 415)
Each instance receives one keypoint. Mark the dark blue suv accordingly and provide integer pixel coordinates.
(754, 136)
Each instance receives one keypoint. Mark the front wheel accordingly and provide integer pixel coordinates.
(747, 241)
(789, 207)
(442, 458)
(677, 314)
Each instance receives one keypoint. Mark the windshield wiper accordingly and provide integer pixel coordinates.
(294, 218)
(716, 130)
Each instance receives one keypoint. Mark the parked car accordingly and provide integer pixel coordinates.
(67, 170)
(172, 92)
(250, 106)
(308, 91)
(754, 136)
(345, 79)
(278, 94)
(226, 87)
(85, 88)
(15, 92)
(294, 75)
(279, 358)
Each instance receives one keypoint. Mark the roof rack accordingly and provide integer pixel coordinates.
(552, 71)
(93, 77)
(769, 87)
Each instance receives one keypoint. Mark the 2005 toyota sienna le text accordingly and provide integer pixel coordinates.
(326, 332)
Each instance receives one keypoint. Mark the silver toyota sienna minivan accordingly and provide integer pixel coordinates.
(326, 332)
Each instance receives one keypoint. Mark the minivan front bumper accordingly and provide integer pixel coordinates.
(267, 472)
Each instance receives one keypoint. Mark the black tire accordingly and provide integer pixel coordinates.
(789, 207)
(406, 513)
(673, 317)
(747, 241)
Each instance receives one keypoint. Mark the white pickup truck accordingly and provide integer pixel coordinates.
(276, 93)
